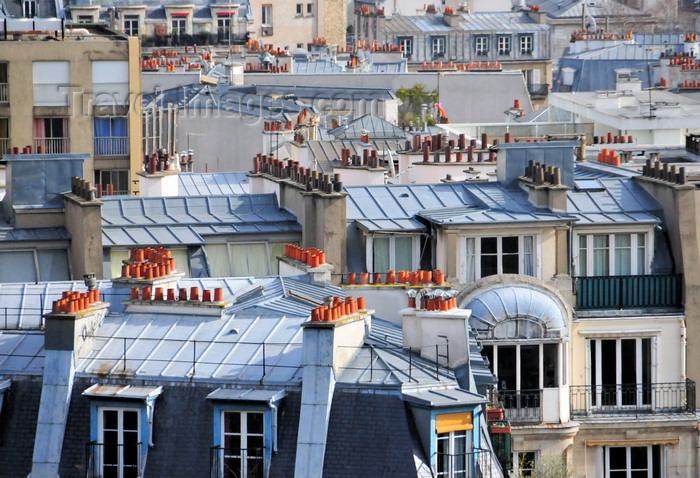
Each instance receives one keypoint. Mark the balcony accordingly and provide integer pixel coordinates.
(226, 462)
(4, 144)
(538, 89)
(113, 460)
(52, 145)
(633, 399)
(111, 146)
(629, 292)
(477, 463)
(520, 407)
(3, 93)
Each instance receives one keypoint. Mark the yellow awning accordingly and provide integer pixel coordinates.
(450, 422)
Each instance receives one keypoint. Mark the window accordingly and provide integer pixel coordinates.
(397, 253)
(243, 444)
(485, 256)
(525, 463)
(504, 45)
(266, 16)
(620, 373)
(111, 136)
(300, 9)
(526, 44)
(179, 26)
(309, 9)
(244, 259)
(524, 366)
(454, 444)
(4, 135)
(406, 44)
(51, 135)
(482, 45)
(29, 8)
(110, 82)
(85, 19)
(612, 254)
(51, 80)
(3, 83)
(119, 440)
(634, 461)
(34, 265)
(119, 179)
(131, 25)
(223, 25)
(438, 46)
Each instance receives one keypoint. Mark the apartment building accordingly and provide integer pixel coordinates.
(73, 91)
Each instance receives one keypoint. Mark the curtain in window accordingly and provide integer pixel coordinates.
(249, 260)
(601, 255)
(119, 127)
(470, 260)
(115, 262)
(276, 249)
(219, 265)
(380, 246)
(403, 253)
(53, 265)
(39, 128)
(640, 254)
(623, 254)
(102, 134)
(64, 132)
(17, 266)
(582, 256)
(181, 257)
(528, 256)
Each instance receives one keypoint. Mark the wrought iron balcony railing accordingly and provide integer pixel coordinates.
(633, 398)
(477, 463)
(519, 406)
(237, 462)
(104, 460)
(3, 93)
(538, 89)
(629, 292)
(111, 146)
(52, 145)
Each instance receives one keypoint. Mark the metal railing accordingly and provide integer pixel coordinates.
(113, 460)
(478, 463)
(4, 144)
(52, 145)
(633, 398)
(237, 463)
(3, 93)
(538, 89)
(629, 292)
(111, 146)
(519, 406)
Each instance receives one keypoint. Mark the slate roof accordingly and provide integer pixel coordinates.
(130, 221)
(474, 22)
(377, 128)
(573, 9)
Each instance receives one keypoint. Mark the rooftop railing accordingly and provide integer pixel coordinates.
(629, 292)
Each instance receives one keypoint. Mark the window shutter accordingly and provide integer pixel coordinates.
(450, 422)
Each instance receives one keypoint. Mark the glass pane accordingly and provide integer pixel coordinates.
(528, 256)
(53, 265)
(529, 367)
(111, 449)
(255, 423)
(641, 269)
(639, 457)
(380, 248)
(629, 360)
(217, 256)
(489, 245)
(601, 255)
(582, 256)
(608, 379)
(510, 245)
(489, 265)
(131, 454)
(110, 419)
(506, 367)
(255, 445)
(232, 468)
(232, 422)
(443, 463)
(276, 249)
(470, 260)
(403, 254)
(618, 458)
(249, 259)
(623, 255)
(17, 266)
(487, 352)
(232, 445)
(510, 264)
(549, 365)
(131, 420)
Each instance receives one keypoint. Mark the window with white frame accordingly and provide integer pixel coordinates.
(110, 82)
(524, 366)
(243, 438)
(503, 45)
(644, 461)
(309, 9)
(524, 463)
(620, 371)
(481, 45)
(244, 259)
(131, 25)
(438, 46)
(485, 256)
(51, 135)
(223, 25)
(29, 9)
(454, 444)
(119, 442)
(526, 44)
(300, 9)
(51, 81)
(612, 254)
(266, 17)
(85, 19)
(396, 253)
(179, 25)
(117, 178)
(406, 44)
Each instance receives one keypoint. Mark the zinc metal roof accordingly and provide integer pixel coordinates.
(315, 67)
(21, 352)
(247, 395)
(10, 234)
(501, 22)
(447, 397)
(374, 125)
(213, 184)
(470, 215)
(574, 8)
(326, 153)
(130, 221)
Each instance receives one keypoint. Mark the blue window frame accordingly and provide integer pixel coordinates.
(111, 136)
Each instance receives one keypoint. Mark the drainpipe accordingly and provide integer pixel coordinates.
(684, 344)
(273, 407)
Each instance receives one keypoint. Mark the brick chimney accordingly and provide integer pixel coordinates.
(83, 220)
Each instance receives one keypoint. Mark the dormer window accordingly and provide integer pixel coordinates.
(612, 254)
(490, 255)
(29, 8)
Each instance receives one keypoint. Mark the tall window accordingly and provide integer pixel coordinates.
(4, 98)
(223, 25)
(503, 45)
(406, 44)
(525, 461)
(111, 136)
(4, 135)
(119, 440)
(244, 259)
(394, 253)
(481, 45)
(633, 461)
(117, 178)
(51, 80)
(29, 8)
(454, 444)
(131, 25)
(620, 372)
(485, 256)
(266, 17)
(612, 254)
(244, 444)
(179, 26)
(438, 46)
(51, 135)
(524, 366)
(309, 9)
(526, 44)
(300, 9)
